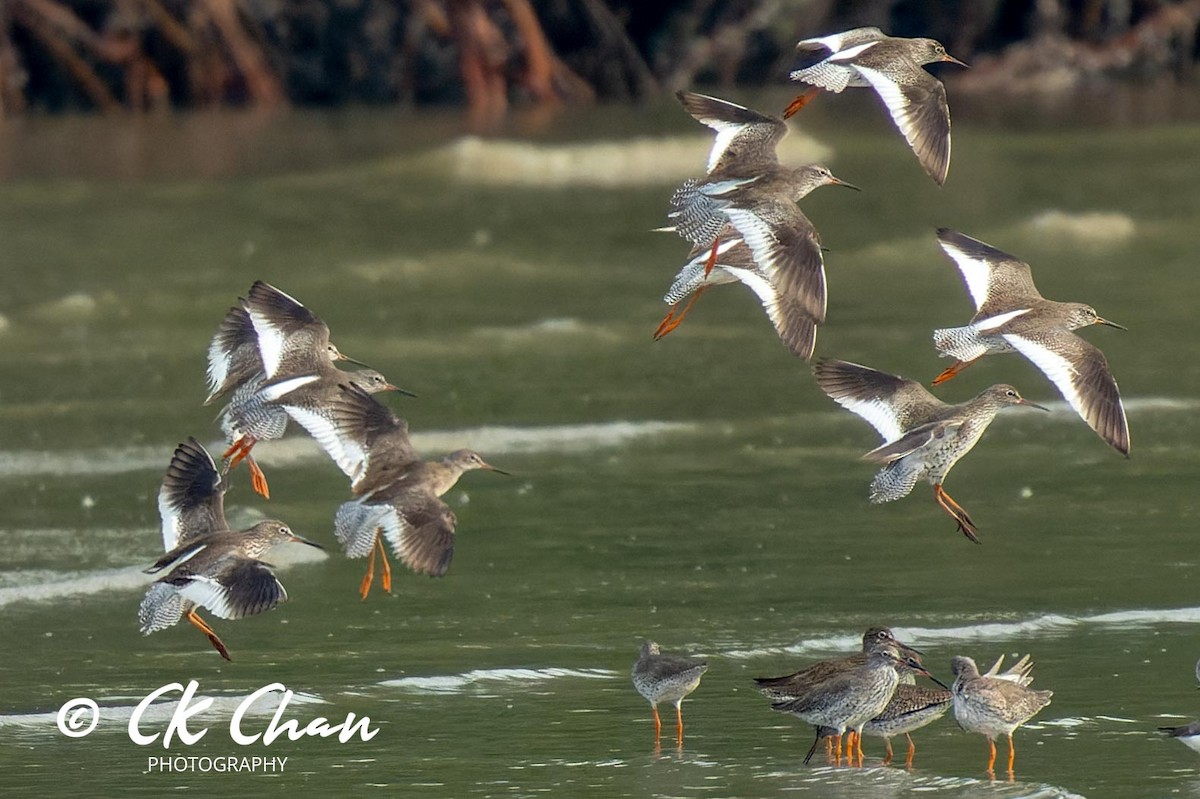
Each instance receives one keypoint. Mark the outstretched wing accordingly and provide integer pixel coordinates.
(191, 501)
(997, 282)
(1081, 373)
(286, 330)
(373, 447)
(420, 529)
(787, 249)
(917, 103)
(889, 403)
(746, 139)
(232, 354)
(244, 588)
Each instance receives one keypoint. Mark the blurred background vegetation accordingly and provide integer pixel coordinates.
(141, 55)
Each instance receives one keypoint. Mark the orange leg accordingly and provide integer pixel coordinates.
(850, 748)
(800, 101)
(670, 322)
(200, 624)
(257, 478)
(837, 750)
(364, 587)
(679, 723)
(667, 324)
(912, 750)
(992, 757)
(858, 748)
(238, 450)
(387, 567)
(1012, 754)
(830, 756)
(657, 725)
(952, 370)
(887, 759)
(712, 257)
(956, 512)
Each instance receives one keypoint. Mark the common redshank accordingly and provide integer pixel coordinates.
(397, 494)
(993, 706)
(790, 686)
(259, 411)
(268, 338)
(849, 699)
(234, 354)
(923, 436)
(660, 677)
(1012, 316)
(914, 706)
(793, 317)
(207, 565)
(744, 174)
(891, 66)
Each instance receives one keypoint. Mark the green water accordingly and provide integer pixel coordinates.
(738, 531)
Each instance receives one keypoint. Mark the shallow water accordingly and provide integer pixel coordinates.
(698, 490)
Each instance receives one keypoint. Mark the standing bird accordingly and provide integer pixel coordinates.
(797, 683)
(849, 699)
(893, 68)
(747, 187)
(208, 565)
(666, 678)
(1012, 316)
(915, 706)
(923, 436)
(396, 493)
(992, 705)
(910, 708)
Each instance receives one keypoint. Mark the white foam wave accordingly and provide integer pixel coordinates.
(51, 586)
(492, 440)
(1046, 625)
(1060, 408)
(42, 586)
(1096, 230)
(641, 161)
(454, 683)
(842, 783)
(117, 460)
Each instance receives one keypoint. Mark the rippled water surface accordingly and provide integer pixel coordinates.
(699, 490)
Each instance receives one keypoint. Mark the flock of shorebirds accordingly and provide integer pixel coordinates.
(273, 360)
(871, 692)
(744, 225)
(742, 220)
